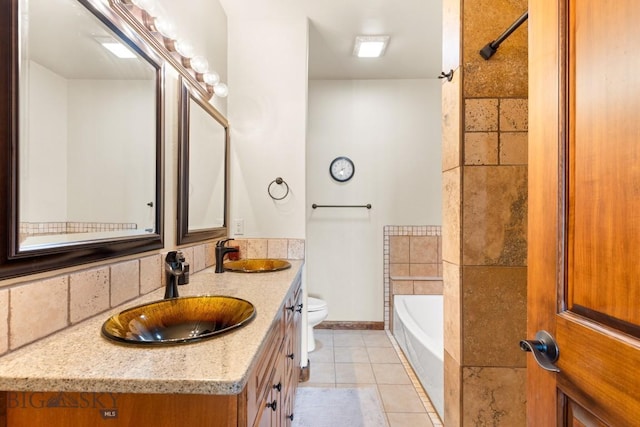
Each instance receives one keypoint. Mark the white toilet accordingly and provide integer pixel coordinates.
(317, 311)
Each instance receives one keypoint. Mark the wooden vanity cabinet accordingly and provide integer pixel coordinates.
(267, 400)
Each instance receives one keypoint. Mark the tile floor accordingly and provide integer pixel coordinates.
(371, 358)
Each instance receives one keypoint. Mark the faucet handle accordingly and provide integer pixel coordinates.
(221, 243)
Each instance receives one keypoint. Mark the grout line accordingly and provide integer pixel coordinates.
(431, 412)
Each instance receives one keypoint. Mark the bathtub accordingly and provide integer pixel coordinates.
(418, 329)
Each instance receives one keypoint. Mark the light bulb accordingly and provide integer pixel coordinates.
(199, 64)
(150, 6)
(211, 78)
(184, 48)
(165, 27)
(221, 90)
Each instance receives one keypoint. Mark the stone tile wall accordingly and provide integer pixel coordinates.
(485, 217)
(412, 263)
(37, 308)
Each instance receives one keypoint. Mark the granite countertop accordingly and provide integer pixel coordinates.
(80, 359)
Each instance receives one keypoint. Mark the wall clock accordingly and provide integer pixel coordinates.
(342, 169)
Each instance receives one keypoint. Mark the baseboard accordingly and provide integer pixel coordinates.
(372, 326)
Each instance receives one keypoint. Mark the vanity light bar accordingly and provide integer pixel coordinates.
(144, 16)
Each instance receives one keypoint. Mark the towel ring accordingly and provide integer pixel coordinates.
(278, 181)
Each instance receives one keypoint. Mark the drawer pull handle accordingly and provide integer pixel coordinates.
(290, 417)
(293, 307)
(299, 309)
(273, 405)
(278, 386)
(291, 356)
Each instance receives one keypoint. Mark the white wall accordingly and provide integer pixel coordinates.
(111, 160)
(391, 130)
(43, 188)
(267, 59)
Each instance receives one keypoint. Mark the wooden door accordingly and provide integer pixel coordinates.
(584, 210)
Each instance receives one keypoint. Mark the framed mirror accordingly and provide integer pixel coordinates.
(202, 169)
(81, 136)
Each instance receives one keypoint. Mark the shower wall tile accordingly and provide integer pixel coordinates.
(4, 321)
(451, 34)
(495, 215)
(89, 293)
(402, 287)
(494, 309)
(422, 270)
(451, 214)
(399, 269)
(38, 309)
(423, 249)
(494, 397)
(451, 123)
(452, 311)
(481, 148)
(125, 282)
(514, 114)
(428, 287)
(452, 391)
(399, 249)
(481, 115)
(505, 74)
(150, 273)
(514, 148)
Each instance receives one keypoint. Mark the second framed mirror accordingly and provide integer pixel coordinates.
(202, 169)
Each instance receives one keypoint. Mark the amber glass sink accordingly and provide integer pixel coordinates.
(178, 320)
(256, 265)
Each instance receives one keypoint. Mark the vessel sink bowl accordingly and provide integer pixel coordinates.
(178, 320)
(256, 265)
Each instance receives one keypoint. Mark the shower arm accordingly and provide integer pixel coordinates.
(491, 47)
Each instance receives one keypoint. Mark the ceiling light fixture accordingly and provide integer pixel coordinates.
(370, 46)
(115, 47)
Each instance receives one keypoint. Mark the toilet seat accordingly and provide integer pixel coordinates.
(315, 304)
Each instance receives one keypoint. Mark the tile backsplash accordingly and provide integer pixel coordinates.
(34, 309)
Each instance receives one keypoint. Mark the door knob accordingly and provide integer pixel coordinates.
(545, 350)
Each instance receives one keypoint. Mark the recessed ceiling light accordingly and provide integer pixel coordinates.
(115, 47)
(370, 46)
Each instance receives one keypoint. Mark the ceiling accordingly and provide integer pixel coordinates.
(414, 50)
(415, 27)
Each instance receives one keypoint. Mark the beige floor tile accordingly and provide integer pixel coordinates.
(382, 355)
(322, 373)
(351, 355)
(322, 354)
(390, 373)
(403, 419)
(376, 340)
(400, 398)
(354, 373)
(348, 340)
(319, 385)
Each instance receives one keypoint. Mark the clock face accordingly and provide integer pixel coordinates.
(341, 169)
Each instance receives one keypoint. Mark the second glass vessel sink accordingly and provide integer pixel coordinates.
(179, 320)
(256, 265)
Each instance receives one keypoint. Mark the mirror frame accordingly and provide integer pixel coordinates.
(184, 235)
(14, 263)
